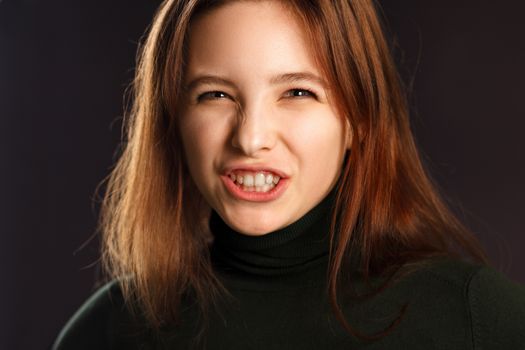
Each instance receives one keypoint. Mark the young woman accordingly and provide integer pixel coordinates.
(270, 196)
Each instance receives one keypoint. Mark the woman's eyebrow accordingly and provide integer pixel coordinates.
(297, 77)
(208, 79)
(293, 77)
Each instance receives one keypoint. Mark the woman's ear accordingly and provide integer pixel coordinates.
(349, 134)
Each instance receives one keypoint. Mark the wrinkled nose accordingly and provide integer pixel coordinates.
(253, 132)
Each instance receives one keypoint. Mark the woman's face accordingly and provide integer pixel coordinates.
(262, 142)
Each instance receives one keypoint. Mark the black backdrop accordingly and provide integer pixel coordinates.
(65, 64)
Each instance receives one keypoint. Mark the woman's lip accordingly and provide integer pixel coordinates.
(239, 193)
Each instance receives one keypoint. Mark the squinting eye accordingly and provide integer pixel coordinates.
(300, 93)
(212, 95)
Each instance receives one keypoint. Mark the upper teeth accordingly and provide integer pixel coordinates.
(258, 179)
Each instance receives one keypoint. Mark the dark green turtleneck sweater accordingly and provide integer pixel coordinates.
(278, 283)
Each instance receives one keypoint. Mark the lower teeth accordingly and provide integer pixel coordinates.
(265, 188)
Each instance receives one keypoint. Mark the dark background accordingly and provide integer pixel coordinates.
(64, 66)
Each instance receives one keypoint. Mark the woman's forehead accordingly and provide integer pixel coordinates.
(248, 38)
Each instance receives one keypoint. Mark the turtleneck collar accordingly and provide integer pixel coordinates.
(289, 254)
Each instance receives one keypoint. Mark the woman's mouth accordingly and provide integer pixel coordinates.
(255, 182)
(254, 186)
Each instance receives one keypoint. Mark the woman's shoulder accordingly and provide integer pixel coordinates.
(98, 322)
(497, 307)
(473, 281)
(481, 298)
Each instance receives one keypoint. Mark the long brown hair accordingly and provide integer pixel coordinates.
(153, 220)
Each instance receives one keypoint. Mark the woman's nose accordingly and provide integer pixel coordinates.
(253, 132)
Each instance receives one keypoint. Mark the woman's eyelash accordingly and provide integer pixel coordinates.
(292, 93)
(300, 92)
(212, 95)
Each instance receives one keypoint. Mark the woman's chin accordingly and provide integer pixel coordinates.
(254, 226)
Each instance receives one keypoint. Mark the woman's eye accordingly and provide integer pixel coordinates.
(300, 93)
(212, 95)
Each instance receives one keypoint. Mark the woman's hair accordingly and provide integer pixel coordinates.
(153, 220)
